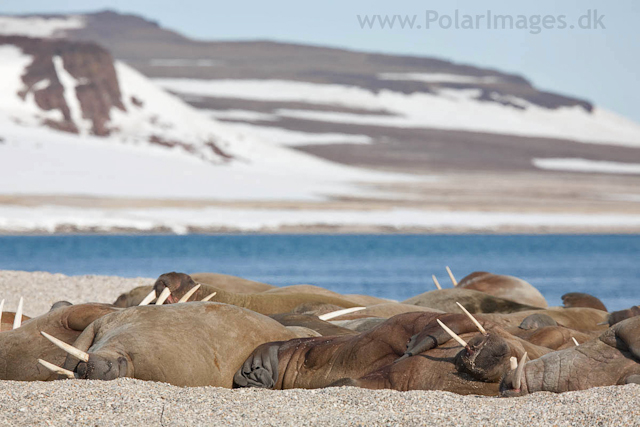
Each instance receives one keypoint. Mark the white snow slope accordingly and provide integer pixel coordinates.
(38, 160)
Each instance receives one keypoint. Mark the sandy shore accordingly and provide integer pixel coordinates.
(133, 402)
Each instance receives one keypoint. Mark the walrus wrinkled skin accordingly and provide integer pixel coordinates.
(318, 362)
(21, 348)
(501, 286)
(611, 359)
(194, 344)
(583, 320)
(180, 283)
(235, 284)
(579, 299)
(474, 301)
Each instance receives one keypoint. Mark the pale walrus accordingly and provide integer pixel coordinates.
(194, 344)
(179, 284)
(502, 286)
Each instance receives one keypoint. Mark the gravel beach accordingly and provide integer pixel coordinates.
(132, 402)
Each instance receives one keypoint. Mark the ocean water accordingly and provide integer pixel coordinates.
(390, 266)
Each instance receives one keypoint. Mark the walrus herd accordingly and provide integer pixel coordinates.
(490, 335)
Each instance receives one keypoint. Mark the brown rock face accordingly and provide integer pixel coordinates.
(97, 89)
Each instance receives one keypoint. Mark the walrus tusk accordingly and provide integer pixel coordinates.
(453, 334)
(575, 341)
(435, 281)
(333, 314)
(67, 347)
(191, 291)
(1, 307)
(57, 369)
(473, 319)
(163, 296)
(148, 298)
(513, 363)
(208, 297)
(453, 279)
(520, 371)
(17, 321)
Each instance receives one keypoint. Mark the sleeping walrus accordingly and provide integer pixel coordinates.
(474, 301)
(20, 348)
(194, 344)
(501, 286)
(611, 359)
(179, 284)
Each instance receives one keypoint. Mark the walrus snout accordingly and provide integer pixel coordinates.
(485, 357)
(102, 368)
(178, 283)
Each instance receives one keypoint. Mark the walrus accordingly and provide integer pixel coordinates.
(235, 284)
(317, 290)
(20, 348)
(133, 297)
(611, 359)
(475, 301)
(620, 315)
(194, 344)
(506, 287)
(179, 284)
(579, 299)
(312, 322)
(580, 319)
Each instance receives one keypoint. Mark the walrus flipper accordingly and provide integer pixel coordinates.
(260, 369)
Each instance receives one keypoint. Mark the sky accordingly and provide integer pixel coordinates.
(599, 64)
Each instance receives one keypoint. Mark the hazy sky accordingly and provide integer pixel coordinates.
(601, 65)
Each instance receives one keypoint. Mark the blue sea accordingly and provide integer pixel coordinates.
(390, 266)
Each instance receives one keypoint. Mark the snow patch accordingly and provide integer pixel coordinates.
(585, 165)
(36, 26)
(184, 62)
(449, 109)
(439, 78)
(51, 218)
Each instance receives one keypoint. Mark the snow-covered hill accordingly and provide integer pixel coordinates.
(74, 122)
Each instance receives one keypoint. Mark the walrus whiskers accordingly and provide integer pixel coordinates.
(453, 334)
(191, 291)
(575, 341)
(67, 347)
(208, 297)
(513, 363)
(520, 372)
(163, 296)
(148, 298)
(473, 319)
(453, 279)
(17, 321)
(333, 314)
(57, 369)
(435, 281)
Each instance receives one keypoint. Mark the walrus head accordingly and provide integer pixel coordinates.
(485, 358)
(102, 368)
(178, 283)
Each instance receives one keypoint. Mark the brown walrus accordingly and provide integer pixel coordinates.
(613, 358)
(21, 348)
(579, 299)
(194, 344)
(133, 298)
(179, 284)
(475, 301)
(235, 284)
(502, 286)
